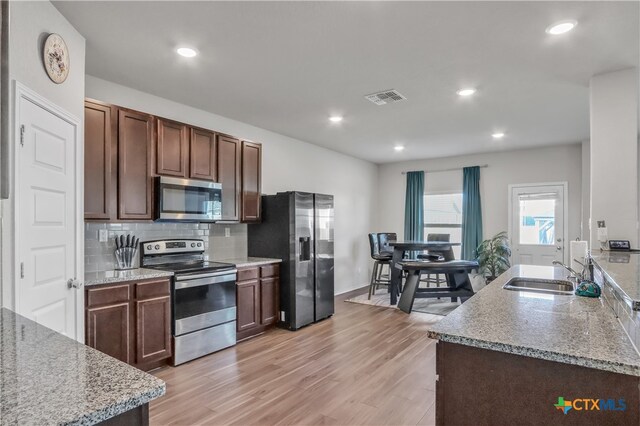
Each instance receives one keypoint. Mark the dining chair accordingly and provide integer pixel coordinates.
(380, 259)
(446, 253)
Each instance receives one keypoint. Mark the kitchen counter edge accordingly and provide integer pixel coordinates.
(92, 279)
(450, 331)
(249, 262)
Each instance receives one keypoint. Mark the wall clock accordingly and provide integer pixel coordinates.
(56, 58)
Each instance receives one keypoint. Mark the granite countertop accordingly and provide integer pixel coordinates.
(622, 269)
(110, 277)
(47, 378)
(568, 329)
(246, 262)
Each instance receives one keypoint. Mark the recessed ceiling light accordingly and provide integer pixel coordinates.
(466, 92)
(498, 135)
(398, 148)
(335, 118)
(187, 52)
(561, 27)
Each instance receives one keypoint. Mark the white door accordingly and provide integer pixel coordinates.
(537, 223)
(47, 229)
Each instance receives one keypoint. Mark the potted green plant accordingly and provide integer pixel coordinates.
(493, 256)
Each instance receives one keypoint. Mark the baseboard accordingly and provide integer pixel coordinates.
(363, 287)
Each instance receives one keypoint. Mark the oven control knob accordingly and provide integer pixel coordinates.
(157, 247)
(149, 247)
(199, 244)
(193, 244)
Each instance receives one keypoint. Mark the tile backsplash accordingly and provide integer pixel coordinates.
(221, 241)
(629, 319)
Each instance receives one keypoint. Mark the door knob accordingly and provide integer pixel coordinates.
(559, 248)
(73, 283)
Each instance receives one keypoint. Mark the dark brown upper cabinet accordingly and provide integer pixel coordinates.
(135, 174)
(228, 150)
(125, 149)
(172, 149)
(251, 181)
(203, 155)
(100, 161)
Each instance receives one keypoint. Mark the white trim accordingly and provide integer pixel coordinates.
(565, 208)
(23, 92)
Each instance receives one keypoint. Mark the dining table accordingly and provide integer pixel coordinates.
(399, 249)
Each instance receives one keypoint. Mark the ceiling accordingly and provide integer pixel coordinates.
(288, 66)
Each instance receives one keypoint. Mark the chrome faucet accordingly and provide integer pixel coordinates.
(578, 276)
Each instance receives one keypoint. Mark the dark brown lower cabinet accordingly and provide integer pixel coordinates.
(131, 322)
(108, 330)
(248, 304)
(153, 337)
(268, 299)
(257, 300)
(477, 386)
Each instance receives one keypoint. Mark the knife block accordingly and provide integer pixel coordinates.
(125, 257)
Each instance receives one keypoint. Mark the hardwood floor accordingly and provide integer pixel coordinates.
(365, 365)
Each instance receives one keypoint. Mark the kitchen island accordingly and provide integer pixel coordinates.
(48, 378)
(506, 357)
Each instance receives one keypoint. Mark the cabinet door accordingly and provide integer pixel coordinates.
(203, 155)
(153, 329)
(228, 150)
(108, 330)
(269, 300)
(172, 149)
(251, 181)
(248, 304)
(135, 182)
(100, 161)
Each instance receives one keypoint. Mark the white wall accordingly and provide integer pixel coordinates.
(586, 190)
(30, 23)
(614, 154)
(287, 164)
(552, 164)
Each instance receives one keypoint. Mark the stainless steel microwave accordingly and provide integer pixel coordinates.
(188, 200)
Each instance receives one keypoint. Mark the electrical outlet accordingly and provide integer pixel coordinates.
(103, 235)
(227, 232)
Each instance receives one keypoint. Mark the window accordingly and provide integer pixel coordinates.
(443, 215)
(537, 221)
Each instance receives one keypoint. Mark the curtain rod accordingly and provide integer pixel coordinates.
(443, 170)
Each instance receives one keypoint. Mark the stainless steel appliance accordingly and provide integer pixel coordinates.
(203, 297)
(188, 200)
(298, 228)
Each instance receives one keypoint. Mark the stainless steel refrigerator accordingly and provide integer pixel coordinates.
(298, 228)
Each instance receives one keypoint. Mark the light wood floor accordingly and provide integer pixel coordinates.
(365, 365)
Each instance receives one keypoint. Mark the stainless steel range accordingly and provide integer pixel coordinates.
(203, 306)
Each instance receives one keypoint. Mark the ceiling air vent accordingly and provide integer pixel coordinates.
(386, 97)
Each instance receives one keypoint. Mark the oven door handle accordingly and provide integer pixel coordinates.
(205, 281)
(207, 275)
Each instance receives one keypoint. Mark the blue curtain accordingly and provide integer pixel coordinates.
(471, 212)
(414, 207)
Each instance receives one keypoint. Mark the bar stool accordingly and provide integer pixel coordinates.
(383, 241)
(379, 261)
(387, 250)
(457, 272)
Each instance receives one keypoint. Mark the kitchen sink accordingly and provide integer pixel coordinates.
(559, 287)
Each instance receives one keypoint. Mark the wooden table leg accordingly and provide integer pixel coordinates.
(396, 275)
(409, 293)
